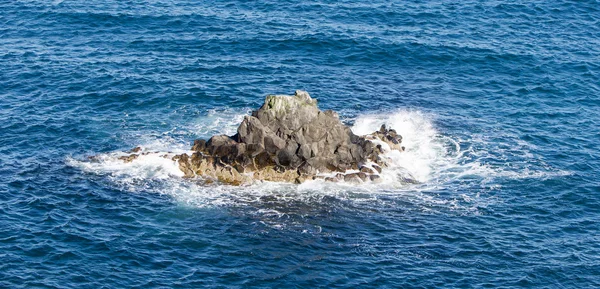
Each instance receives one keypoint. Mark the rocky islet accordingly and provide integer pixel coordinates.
(288, 139)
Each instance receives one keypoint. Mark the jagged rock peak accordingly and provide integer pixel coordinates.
(285, 103)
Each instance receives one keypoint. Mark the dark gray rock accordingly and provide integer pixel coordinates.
(290, 139)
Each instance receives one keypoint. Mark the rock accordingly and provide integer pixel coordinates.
(199, 145)
(289, 139)
(377, 168)
(367, 170)
(264, 160)
(353, 178)
(129, 158)
(220, 145)
(252, 150)
(307, 170)
(273, 143)
(363, 177)
(375, 178)
(304, 152)
(251, 131)
(388, 136)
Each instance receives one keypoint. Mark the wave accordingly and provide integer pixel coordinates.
(432, 161)
(427, 151)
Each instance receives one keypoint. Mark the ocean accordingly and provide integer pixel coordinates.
(497, 102)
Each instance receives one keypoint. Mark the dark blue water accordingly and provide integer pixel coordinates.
(498, 104)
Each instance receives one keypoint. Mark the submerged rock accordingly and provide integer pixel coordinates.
(289, 139)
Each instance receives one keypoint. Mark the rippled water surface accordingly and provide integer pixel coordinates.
(498, 104)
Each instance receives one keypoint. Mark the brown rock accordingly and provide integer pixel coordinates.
(129, 158)
(377, 168)
(367, 170)
(352, 178)
(375, 178)
(199, 145)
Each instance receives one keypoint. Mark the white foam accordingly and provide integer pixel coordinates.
(435, 160)
(148, 166)
(219, 121)
(427, 152)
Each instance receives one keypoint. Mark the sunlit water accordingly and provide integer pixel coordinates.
(497, 105)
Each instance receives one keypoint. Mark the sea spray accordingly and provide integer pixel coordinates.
(426, 152)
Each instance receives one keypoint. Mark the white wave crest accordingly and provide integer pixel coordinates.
(150, 165)
(219, 121)
(427, 151)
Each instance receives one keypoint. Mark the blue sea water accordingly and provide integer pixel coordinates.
(497, 101)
